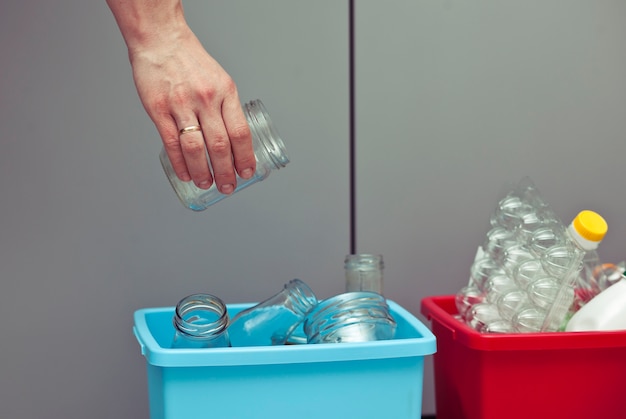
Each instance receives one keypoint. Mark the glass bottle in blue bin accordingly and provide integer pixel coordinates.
(200, 321)
(272, 321)
(358, 316)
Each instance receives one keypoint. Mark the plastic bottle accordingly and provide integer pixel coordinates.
(272, 321)
(567, 286)
(200, 321)
(551, 282)
(606, 311)
(587, 231)
(364, 272)
(269, 151)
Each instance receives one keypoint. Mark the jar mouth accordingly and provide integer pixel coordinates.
(200, 316)
(264, 129)
(364, 262)
(304, 296)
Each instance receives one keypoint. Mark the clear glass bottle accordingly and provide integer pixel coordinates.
(269, 150)
(364, 272)
(350, 317)
(272, 321)
(200, 321)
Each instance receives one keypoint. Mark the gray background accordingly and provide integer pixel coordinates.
(455, 100)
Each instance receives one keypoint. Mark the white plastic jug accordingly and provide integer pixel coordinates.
(605, 311)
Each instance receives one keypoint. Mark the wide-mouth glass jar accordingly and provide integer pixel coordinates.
(350, 317)
(269, 150)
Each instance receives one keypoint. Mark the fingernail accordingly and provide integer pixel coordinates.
(204, 185)
(227, 189)
(247, 173)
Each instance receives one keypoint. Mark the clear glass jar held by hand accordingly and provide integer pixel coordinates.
(269, 150)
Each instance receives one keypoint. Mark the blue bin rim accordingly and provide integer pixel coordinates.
(288, 354)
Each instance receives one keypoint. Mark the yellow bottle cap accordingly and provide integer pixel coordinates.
(590, 225)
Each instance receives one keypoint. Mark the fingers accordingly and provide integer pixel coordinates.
(219, 150)
(194, 152)
(240, 137)
(168, 129)
(208, 147)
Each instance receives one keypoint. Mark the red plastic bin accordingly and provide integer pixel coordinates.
(530, 375)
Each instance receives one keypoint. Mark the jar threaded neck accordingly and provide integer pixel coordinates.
(301, 296)
(263, 129)
(200, 316)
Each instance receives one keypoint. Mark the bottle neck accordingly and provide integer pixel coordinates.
(263, 130)
(299, 297)
(201, 316)
(580, 241)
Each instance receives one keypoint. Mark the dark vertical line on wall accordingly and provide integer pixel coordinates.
(352, 127)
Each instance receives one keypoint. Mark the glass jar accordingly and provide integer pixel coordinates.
(350, 317)
(200, 321)
(272, 321)
(364, 272)
(269, 150)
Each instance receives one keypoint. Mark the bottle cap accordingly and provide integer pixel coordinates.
(591, 227)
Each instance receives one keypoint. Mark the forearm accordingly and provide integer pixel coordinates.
(182, 86)
(148, 22)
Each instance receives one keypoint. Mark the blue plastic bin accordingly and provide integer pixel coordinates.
(382, 379)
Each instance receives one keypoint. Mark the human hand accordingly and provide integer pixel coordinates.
(182, 86)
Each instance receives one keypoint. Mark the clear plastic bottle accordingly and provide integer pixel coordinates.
(269, 150)
(555, 291)
(272, 321)
(364, 272)
(609, 274)
(481, 315)
(350, 317)
(200, 321)
(526, 275)
(586, 232)
(466, 298)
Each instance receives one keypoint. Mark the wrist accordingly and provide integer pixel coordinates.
(145, 25)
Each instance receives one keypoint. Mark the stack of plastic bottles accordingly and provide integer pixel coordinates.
(524, 277)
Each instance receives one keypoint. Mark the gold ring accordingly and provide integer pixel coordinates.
(192, 128)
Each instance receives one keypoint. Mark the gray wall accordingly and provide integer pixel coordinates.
(92, 231)
(454, 101)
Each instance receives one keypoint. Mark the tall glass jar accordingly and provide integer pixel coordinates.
(272, 321)
(200, 321)
(269, 150)
(364, 272)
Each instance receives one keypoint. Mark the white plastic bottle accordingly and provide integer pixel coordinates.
(605, 311)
